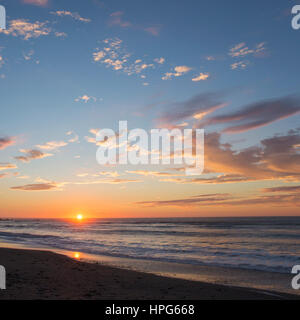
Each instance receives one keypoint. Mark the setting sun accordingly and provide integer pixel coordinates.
(76, 255)
(79, 217)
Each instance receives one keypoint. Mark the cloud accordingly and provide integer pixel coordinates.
(275, 158)
(36, 187)
(160, 60)
(239, 65)
(41, 3)
(178, 72)
(255, 162)
(154, 31)
(105, 181)
(114, 55)
(224, 199)
(85, 98)
(117, 20)
(295, 189)
(3, 175)
(201, 77)
(26, 29)
(1, 61)
(196, 107)
(6, 142)
(60, 34)
(52, 145)
(210, 58)
(75, 137)
(219, 179)
(29, 55)
(151, 173)
(203, 199)
(257, 114)
(7, 166)
(32, 154)
(281, 154)
(241, 50)
(107, 173)
(73, 15)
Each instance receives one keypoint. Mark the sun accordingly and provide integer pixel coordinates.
(76, 255)
(79, 217)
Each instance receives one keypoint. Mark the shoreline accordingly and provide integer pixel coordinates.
(222, 275)
(42, 275)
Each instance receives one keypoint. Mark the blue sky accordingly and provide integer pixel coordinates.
(73, 66)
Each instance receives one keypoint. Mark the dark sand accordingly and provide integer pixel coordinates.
(45, 275)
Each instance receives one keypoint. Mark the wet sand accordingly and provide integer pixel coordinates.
(44, 275)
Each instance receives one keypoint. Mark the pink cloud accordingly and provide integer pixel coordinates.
(153, 30)
(41, 3)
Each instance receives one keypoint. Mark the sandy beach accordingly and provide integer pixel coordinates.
(44, 275)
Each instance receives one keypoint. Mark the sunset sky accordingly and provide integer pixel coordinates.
(69, 68)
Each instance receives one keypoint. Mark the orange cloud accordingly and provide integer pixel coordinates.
(7, 166)
(51, 145)
(26, 29)
(32, 154)
(6, 142)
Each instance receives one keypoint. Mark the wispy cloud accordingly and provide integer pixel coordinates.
(73, 139)
(154, 31)
(151, 173)
(52, 145)
(41, 3)
(257, 114)
(218, 179)
(32, 154)
(74, 15)
(239, 65)
(116, 19)
(203, 199)
(7, 166)
(1, 61)
(224, 199)
(28, 55)
(107, 173)
(6, 142)
(241, 50)
(36, 187)
(284, 189)
(196, 107)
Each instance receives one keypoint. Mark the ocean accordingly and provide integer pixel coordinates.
(267, 244)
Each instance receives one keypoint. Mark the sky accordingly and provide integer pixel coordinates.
(70, 68)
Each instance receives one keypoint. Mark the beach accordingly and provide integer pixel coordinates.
(45, 275)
